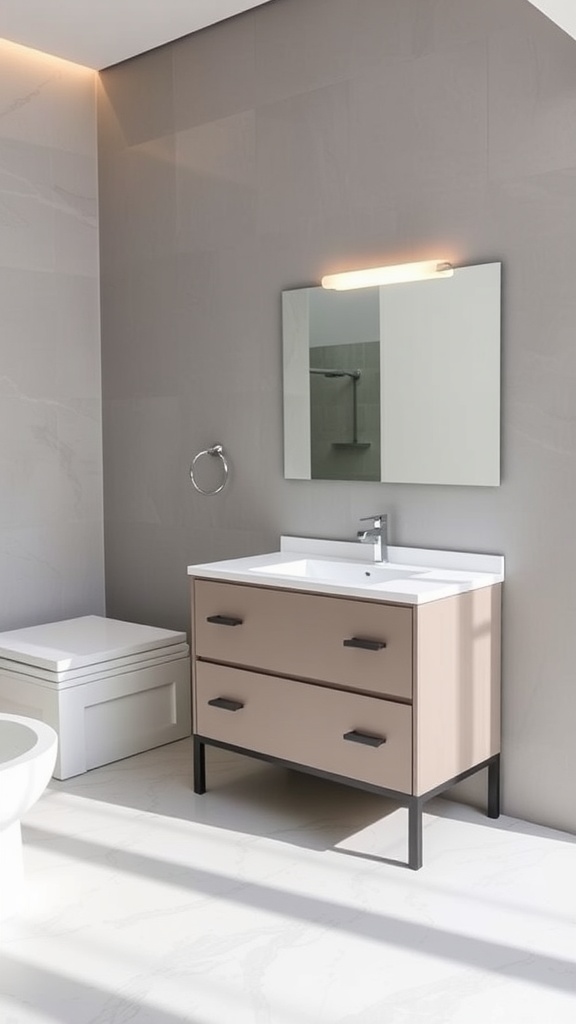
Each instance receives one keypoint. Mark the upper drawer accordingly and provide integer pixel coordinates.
(304, 635)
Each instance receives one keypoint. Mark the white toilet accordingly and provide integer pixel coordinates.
(27, 756)
(110, 689)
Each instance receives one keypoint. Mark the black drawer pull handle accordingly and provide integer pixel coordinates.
(226, 704)
(224, 620)
(365, 738)
(365, 645)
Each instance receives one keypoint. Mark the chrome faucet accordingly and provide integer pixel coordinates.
(378, 535)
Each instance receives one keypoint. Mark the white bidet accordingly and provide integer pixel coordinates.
(27, 756)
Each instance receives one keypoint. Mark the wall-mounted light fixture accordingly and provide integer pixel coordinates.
(427, 269)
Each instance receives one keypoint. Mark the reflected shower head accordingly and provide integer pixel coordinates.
(354, 374)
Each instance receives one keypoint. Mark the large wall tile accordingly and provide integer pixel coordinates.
(397, 30)
(215, 183)
(535, 207)
(214, 72)
(52, 449)
(419, 126)
(51, 515)
(27, 237)
(302, 158)
(57, 332)
(220, 342)
(532, 101)
(143, 443)
(54, 572)
(46, 101)
(138, 199)
(302, 46)
(445, 24)
(75, 201)
(139, 95)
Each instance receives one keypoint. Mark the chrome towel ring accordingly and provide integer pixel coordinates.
(216, 451)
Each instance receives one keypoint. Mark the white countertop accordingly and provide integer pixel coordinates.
(438, 574)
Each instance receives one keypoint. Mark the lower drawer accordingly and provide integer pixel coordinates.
(306, 724)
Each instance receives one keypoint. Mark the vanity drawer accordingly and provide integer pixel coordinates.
(306, 635)
(306, 724)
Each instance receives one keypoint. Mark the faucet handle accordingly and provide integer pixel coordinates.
(372, 519)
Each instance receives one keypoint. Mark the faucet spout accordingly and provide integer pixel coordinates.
(377, 536)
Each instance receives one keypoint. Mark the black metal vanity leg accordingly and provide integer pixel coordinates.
(199, 766)
(494, 788)
(415, 833)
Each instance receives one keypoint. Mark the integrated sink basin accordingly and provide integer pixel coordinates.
(357, 574)
(411, 576)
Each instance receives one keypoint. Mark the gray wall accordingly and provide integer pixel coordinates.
(51, 518)
(305, 137)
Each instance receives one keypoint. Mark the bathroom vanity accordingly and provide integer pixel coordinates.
(384, 676)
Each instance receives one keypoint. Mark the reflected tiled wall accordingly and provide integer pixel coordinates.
(51, 542)
(312, 135)
(338, 451)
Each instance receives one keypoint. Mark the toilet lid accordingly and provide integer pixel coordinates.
(99, 670)
(87, 640)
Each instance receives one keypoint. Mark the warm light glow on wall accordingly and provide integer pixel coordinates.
(27, 55)
(427, 269)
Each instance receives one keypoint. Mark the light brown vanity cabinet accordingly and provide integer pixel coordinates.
(401, 699)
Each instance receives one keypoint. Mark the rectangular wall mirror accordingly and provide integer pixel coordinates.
(398, 383)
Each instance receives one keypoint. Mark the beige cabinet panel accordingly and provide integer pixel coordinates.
(457, 689)
(301, 634)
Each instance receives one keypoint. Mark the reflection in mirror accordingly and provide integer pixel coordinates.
(398, 383)
(344, 385)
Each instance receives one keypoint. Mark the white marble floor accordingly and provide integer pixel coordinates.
(263, 902)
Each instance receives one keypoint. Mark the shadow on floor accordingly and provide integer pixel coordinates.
(264, 800)
(506, 960)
